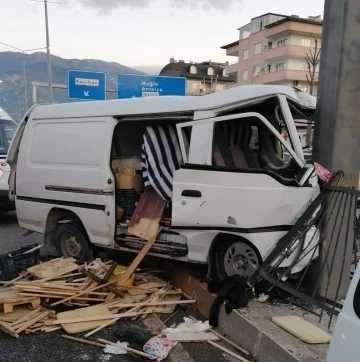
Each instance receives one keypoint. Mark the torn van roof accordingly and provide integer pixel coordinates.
(167, 104)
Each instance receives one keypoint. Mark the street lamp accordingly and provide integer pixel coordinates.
(24, 67)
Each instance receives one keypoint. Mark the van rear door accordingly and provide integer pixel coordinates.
(13, 154)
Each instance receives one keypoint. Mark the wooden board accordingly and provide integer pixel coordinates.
(192, 337)
(151, 279)
(302, 329)
(19, 312)
(145, 288)
(135, 264)
(6, 294)
(168, 309)
(145, 228)
(53, 267)
(71, 328)
(132, 298)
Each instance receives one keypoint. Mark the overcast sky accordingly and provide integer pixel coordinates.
(138, 32)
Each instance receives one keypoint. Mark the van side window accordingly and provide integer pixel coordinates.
(231, 145)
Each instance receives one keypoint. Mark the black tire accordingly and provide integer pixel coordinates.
(71, 241)
(249, 258)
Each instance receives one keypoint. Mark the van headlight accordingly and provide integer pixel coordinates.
(1, 173)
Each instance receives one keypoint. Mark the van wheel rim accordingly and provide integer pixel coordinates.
(70, 246)
(241, 259)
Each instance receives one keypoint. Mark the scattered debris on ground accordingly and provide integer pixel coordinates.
(62, 295)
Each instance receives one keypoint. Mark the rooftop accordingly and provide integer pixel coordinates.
(169, 104)
(230, 45)
(309, 20)
(182, 69)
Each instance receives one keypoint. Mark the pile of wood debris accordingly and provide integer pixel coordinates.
(98, 294)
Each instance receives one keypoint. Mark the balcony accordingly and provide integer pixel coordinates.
(287, 51)
(233, 50)
(294, 27)
(232, 68)
(285, 74)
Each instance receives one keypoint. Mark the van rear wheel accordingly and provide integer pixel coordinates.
(72, 242)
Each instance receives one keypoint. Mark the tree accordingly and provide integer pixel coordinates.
(256, 72)
(312, 61)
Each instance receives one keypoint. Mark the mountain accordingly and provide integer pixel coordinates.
(12, 90)
(149, 69)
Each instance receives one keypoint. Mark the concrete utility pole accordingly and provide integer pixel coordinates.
(337, 120)
(48, 53)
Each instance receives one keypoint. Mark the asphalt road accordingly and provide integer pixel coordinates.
(11, 234)
(51, 347)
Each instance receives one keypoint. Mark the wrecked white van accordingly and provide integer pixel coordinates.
(216, 159)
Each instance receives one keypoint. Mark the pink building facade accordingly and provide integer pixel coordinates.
(272, 48)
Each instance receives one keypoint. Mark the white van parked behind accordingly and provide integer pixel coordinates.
(343, 346)
(216, 159)
(7, 131)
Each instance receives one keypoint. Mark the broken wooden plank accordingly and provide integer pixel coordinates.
(242, 359)
(72, 328)
(53, 268)
(83, 292)
(27, 324)
(112, 321)
(96, 318)
(135, 263)
(127, 349)
(151, 304)
(192, 337)
(84, 341)
(24, 275)
(229, 341)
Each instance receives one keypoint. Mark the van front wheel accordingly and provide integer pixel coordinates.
(236, 258)
(71, 242)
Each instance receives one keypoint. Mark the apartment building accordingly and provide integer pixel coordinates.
(272, 49)
(201, 78)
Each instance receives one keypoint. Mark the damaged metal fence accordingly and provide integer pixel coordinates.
(323, 284)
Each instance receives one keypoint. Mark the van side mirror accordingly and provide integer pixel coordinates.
(305, 174)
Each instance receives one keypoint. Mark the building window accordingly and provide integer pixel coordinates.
(269, 68)
(257, 70)
(246, 54)
(306, 42)
(257, 48)
(193, 69)
(279, 66)
(244, 75)
(210, 71)
(282, 42)
(194, 85)
(270, 45)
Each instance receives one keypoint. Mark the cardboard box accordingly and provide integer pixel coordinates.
(127, 178)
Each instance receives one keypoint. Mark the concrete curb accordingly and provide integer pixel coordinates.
(265, 341)
(254, 339)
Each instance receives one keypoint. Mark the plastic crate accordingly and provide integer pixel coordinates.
(13, 263)
(127, 199)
